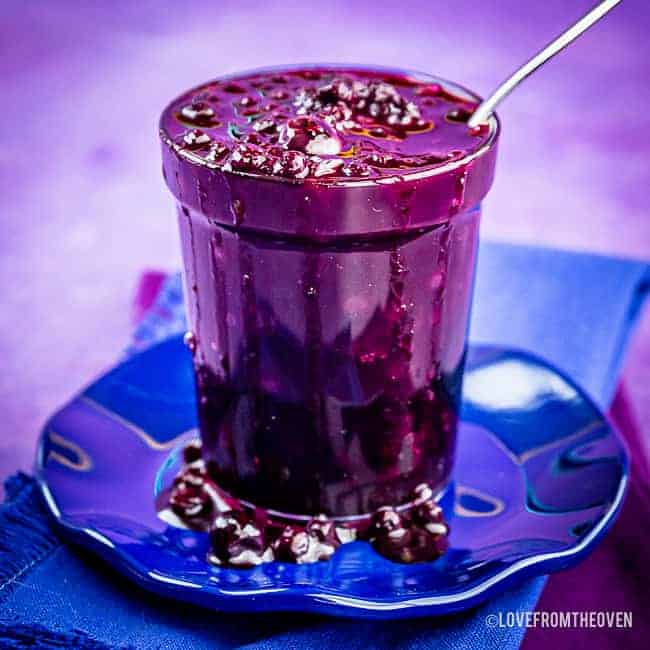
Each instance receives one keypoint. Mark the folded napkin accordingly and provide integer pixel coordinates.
(575, 310)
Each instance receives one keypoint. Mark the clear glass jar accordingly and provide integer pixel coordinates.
(329, 326)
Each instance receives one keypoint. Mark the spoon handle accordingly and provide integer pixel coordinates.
(488, 105)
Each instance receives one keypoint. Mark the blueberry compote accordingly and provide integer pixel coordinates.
(243, 536)
(329, 221)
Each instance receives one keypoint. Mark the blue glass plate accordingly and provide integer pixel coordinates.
(539, 478)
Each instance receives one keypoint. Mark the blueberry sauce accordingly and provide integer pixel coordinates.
(332, 123)
(243, 536)
(329, 226)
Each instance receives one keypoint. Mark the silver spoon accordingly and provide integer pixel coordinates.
(487, 106)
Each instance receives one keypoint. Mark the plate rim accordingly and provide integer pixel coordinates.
(316, 599)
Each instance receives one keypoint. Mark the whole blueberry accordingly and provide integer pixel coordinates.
(323, 529)
(422, 547)
(225, 530)
(392, 544)
(238, 541)
(189, 501)
(282, 545)
(383, 521)
(428, 512)
(291, 545)
(415, 545)
(192, 452)
(421, 493)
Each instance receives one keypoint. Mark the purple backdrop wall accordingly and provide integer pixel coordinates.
(82, 205)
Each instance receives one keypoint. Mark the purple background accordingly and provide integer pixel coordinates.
(82, 204)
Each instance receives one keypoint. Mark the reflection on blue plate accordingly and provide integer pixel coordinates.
(539, 478)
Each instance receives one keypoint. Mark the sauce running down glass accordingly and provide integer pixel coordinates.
(329, 224)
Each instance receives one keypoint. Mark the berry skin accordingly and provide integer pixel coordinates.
(196, 139)
(291, 545)
(192, 452)
(384, 521)
(189, 498)
(428, 512)
(291, 164)
(417, 535)
(343, 100)
(190, 503)
(225, 530)
(310, 135)
(356, 168)
(393, 545)
(216, 152)
(265, 125)
(409, 545)
(328, 167)
(199, 113)
(315, 543)
(322, 529)
(421, 493)
(237, 541)
(248, 158)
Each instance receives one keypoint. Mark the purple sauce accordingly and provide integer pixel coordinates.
(243, 537)
(329, 224)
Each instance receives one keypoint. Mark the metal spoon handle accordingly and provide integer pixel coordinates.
(488, 105)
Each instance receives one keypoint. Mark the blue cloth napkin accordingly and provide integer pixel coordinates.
(575, 310)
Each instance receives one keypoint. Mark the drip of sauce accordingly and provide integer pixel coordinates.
(243, 537)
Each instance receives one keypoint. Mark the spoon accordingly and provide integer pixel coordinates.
(487, 106)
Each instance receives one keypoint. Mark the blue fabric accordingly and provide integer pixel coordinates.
(576, 310)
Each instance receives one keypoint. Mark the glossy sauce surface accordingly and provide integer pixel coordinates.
(322, 124)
